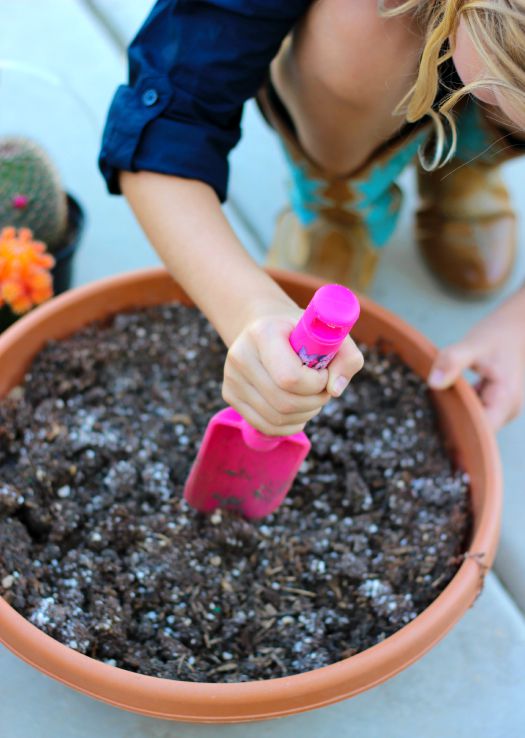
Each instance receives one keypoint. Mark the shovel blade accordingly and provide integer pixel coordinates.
(230, 474)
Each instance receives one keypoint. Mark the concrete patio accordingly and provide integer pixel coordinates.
(473, 682)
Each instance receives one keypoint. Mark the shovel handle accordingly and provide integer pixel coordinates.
(324, 325)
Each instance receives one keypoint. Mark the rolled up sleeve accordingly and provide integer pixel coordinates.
(192, 66)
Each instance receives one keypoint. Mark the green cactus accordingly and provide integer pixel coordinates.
(31, 194)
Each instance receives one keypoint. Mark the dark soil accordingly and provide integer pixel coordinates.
(99, 550)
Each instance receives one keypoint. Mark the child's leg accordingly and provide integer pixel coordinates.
(466, 226)
(335, 226)
(340, 77)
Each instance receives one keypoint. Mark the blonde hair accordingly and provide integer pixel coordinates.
(497, 31)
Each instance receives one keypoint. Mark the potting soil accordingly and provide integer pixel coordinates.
(98, 549)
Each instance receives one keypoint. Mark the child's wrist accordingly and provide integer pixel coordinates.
(267, 305)
(266, 309)
(266, 299)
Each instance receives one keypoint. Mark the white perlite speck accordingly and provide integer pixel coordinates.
(373, 588)
(64, 491)
(8, 581)
(40, 616)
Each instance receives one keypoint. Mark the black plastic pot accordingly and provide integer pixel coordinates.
(62, 272)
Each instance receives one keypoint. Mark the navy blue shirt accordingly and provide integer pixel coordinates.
(192, 66)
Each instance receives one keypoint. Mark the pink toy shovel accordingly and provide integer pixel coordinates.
(239, 468)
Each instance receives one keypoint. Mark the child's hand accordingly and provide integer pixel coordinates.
(266, 382)
(494, 349)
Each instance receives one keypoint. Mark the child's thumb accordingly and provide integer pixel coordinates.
(449, 364)
(349, 361)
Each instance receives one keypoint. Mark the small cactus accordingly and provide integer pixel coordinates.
(31, 195)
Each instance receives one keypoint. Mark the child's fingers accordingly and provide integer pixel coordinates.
(239, 371)
(282, 363)
(344, 366)
(274, 405)
(500, 387)
(502, 400)
(257, 416)
(450, 363)
(260, 424)
(496, 403)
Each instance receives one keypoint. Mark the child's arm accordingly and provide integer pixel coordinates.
(263, 378)
(495, 350)
(184, 222)
(166, 141)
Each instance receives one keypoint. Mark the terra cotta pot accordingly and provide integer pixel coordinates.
(470, 441)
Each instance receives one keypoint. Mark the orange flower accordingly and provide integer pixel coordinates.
(25, 280)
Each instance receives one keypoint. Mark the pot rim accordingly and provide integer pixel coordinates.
(256, 700)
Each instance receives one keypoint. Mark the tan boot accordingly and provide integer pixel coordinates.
(465, 225)
(338, 252)
(335, 226)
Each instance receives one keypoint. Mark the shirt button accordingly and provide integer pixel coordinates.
(150, 97)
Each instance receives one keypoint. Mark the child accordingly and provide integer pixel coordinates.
(355, 91)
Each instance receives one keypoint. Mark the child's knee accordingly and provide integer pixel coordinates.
(357, 55)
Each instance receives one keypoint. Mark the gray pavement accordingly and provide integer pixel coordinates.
(473, 682)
